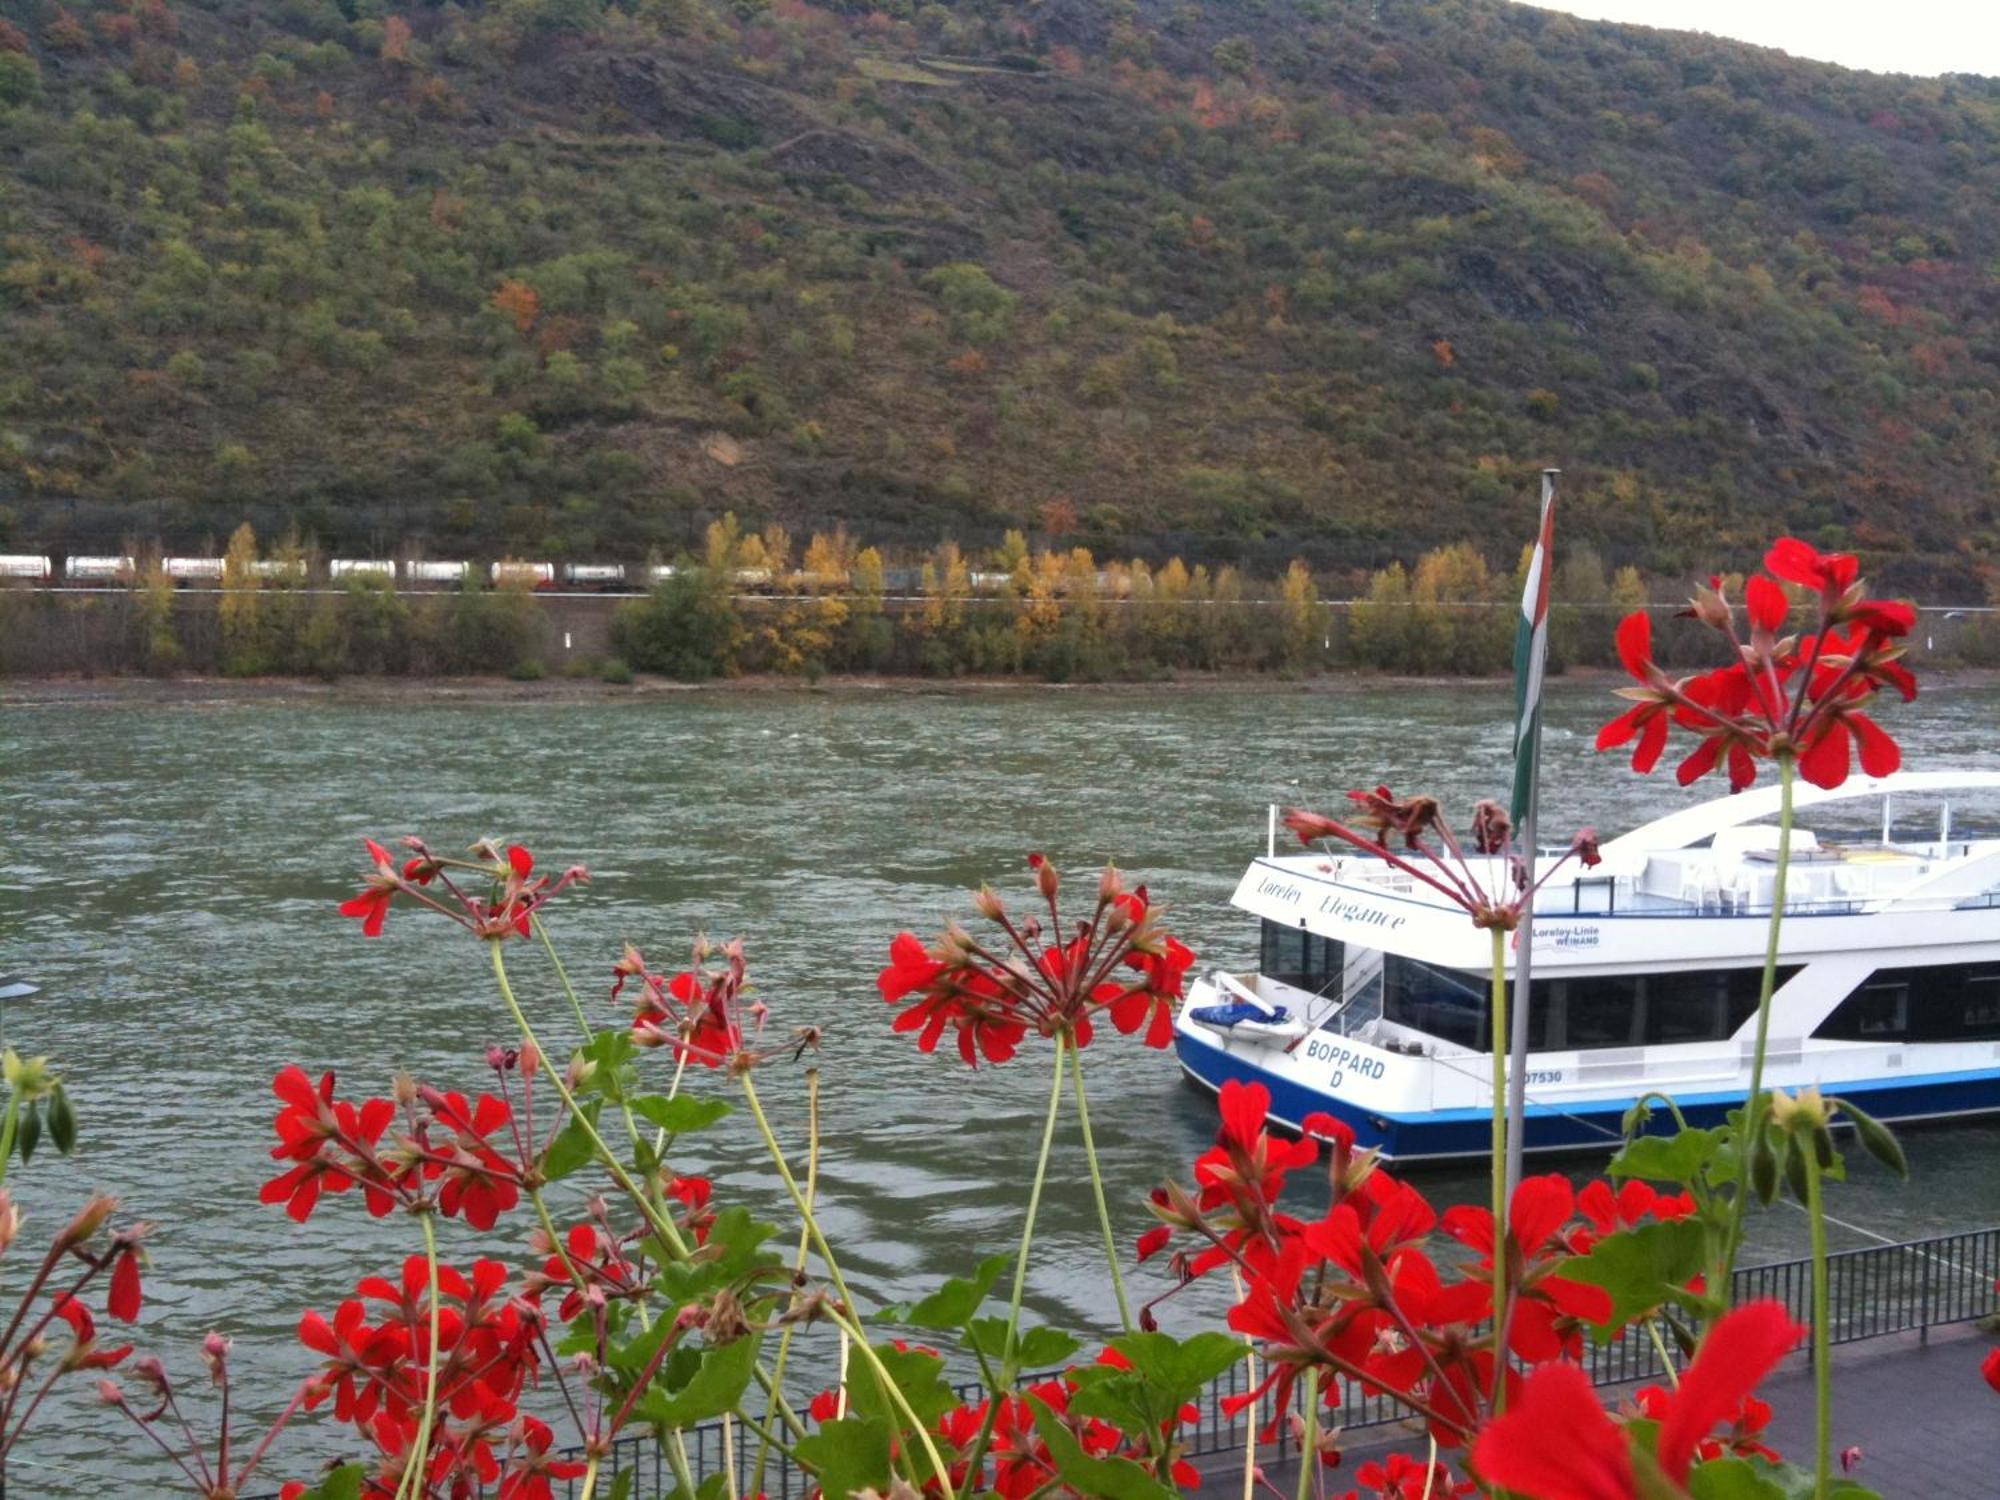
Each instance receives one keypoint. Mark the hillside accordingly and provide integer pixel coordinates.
(1242, 280)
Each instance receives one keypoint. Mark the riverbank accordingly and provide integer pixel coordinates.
(70, 688)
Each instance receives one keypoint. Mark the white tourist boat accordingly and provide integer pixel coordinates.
(1370, 997)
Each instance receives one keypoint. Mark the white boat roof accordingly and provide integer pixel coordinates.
(1691, 825)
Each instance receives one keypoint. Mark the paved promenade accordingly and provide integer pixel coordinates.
(1928, 1427)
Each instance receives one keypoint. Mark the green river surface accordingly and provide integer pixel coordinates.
(173, 861)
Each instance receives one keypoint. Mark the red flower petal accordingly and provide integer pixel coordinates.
(1635, 644)
(1879, 754)
(1153, 1241)
(1738, 1352)
(1556, 1443)
(1541, 1206)
(1768, 606)
(1826, 759)
(520, 860)
(125, 1299)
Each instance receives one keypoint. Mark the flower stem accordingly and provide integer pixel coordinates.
(658, 1221)
(1250, 1413)
(1753, 1131)
(1009, 1363)
(562, 974)
(848, 1317)
(1822, 1334)
(1498, 1045)
(589, 1479)
(1097, 1187)
(1309, 1443)
(412, 1481)
(799, 1265)
(8, 1128)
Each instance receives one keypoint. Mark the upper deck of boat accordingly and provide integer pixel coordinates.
(1719, 859)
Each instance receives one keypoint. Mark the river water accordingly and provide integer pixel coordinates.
(173, 866)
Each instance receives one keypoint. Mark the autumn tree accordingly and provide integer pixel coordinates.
(243, 644)
(1302, 619)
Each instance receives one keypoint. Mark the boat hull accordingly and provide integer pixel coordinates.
(1573, 1125)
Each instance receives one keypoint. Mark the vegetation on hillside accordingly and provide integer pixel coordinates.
(1326, 278)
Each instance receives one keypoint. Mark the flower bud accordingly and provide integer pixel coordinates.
(496, 1057)
(1047, 881)
(89, 1219)
(531, 1059)
(580, 1071)
(10, 1220)
(988, 904)
(404, 1089)
(1110, 884)
(1708, 605)
(109, 1394)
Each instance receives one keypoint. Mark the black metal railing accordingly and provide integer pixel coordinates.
(1874, 1292)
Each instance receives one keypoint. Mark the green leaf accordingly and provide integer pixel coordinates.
(1035, 1348)
(848, 1455)
(1182, 1368)
(1115, 1478)
(954, 1304)
(1759, 1479)
(572, 1146)
(613, 1052)
(918, 1374)
(680, 1114)
(716, 1387)
(1676, 1158)
(1876, 1138)
(62, 1122)
(1165, 1374)
(344, 1483)
(621, 1487)
(1641, 1269)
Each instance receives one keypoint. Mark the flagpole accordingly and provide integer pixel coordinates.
(1527, 784)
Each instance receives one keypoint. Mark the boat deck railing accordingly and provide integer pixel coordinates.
(1874, 1292)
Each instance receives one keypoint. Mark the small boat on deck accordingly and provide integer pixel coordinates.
(1370, 999)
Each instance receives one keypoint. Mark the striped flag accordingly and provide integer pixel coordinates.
(1531, 654)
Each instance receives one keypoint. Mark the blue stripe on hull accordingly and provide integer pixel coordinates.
(1583, 1126)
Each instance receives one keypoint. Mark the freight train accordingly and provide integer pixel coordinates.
(92, 571)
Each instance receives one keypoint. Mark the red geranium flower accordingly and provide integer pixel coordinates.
(372, 904)
(1592, 1460)
(1804, 698)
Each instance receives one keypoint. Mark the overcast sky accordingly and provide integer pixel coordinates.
(1887, 36)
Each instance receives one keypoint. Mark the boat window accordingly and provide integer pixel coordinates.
(1603, 1010)
(1687, 1007)
(1302, 959)
(1590, 1010)
(1624, 1010)
(1438, 1002)
(1930, 1003)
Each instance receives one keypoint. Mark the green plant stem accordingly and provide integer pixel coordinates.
(1822, 1348)
(1753, 1108)
(660, 1224)
(1498, 1045)
(412, 1482)
(1309, 1443)
(9, 1128)
(1097, 1188)
(589, 1479)
(847, 1317)
(562, 974)
(1009, 1364)
(654, 1214)
(798, 1263)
